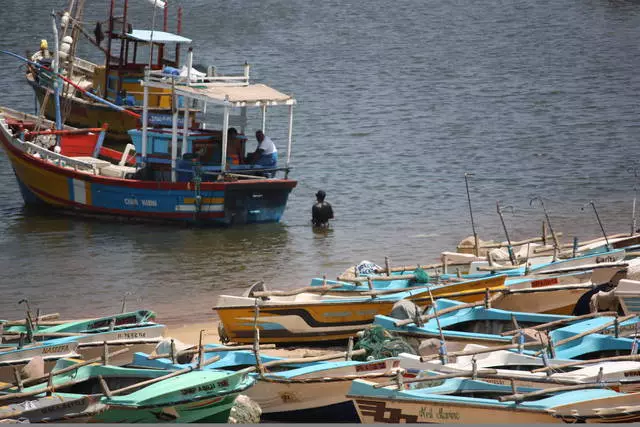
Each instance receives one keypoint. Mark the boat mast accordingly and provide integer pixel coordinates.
(56, 79)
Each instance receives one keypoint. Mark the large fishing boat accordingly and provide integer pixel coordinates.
(127, 52)
(62, 169)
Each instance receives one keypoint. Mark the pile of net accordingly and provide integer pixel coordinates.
(380, 343)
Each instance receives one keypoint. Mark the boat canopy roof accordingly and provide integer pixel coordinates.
(252, 95)
(157, 37)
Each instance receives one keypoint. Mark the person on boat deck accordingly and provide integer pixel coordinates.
(43, 53)
(321, 212)
(266, 155)
(234, 147)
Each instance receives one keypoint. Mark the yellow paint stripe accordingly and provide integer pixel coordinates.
(205, 200)
(87, 197)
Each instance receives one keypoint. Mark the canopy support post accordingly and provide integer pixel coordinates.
(174, 131)
(145, 116)
(264, 118)
(225, 130)
(185, 130)
(290, 139)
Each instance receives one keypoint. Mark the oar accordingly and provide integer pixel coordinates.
(627, 358)
(85, 92)
(559, 322)
(590, 331)
(211, 350)
(110, 393)
(521, 396)
(44, 378)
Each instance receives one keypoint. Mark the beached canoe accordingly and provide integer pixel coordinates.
(146, 395)
(622, 375)
(464, 401)
(311, 316)
(294, 390)
(460, 324)
(12, 357)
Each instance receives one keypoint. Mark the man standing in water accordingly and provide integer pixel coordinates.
(321, 212)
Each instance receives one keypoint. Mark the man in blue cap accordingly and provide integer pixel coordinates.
(322, 211)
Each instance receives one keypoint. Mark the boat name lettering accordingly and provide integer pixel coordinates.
(189, 390)
(144, 202)
(338, 314)
(223, 383)
(367, 312)
(544, 282)
(494, 381)
(64, 405)
(439, 413)
(130, 335)
(632, 374)
(370, 366)
(608, 258)
(55, 349)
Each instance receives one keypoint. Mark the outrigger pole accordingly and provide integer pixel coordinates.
(506, 233)
(546, 215)
(473, 226)
(84, 92)
(592, 203)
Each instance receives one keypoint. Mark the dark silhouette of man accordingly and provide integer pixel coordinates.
(321, 212)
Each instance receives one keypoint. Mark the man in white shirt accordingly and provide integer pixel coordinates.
(266, 155)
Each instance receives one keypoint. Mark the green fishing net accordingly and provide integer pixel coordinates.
(421, 276)
(380, 343)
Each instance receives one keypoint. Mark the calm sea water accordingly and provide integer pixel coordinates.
(397, 100)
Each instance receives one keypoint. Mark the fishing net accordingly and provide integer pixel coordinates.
(380, 343)
(244, 411)
(420, 276)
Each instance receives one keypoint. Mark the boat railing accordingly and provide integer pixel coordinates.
(59, 159)
(84, 65)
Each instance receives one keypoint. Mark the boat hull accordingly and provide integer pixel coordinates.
(43, 183)
(375, 410)
(337, 320)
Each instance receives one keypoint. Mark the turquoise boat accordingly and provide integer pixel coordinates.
(464, 401)
(132, 396)
(297, 391)
(54, 329)
(480, 325)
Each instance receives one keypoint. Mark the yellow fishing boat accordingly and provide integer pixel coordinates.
(292, 317)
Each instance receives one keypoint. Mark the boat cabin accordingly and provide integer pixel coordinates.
(189, 149)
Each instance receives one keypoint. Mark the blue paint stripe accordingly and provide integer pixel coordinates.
(72, 194)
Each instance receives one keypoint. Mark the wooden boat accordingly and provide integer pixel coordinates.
(528, 370)
(293, 390)
(117, 79)
(13, 357)
(76, 181)
(143, 395)
(462, 401)
(459, 324)
(134, 330)
(47, 329)
(628, 293)
(290, 317)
